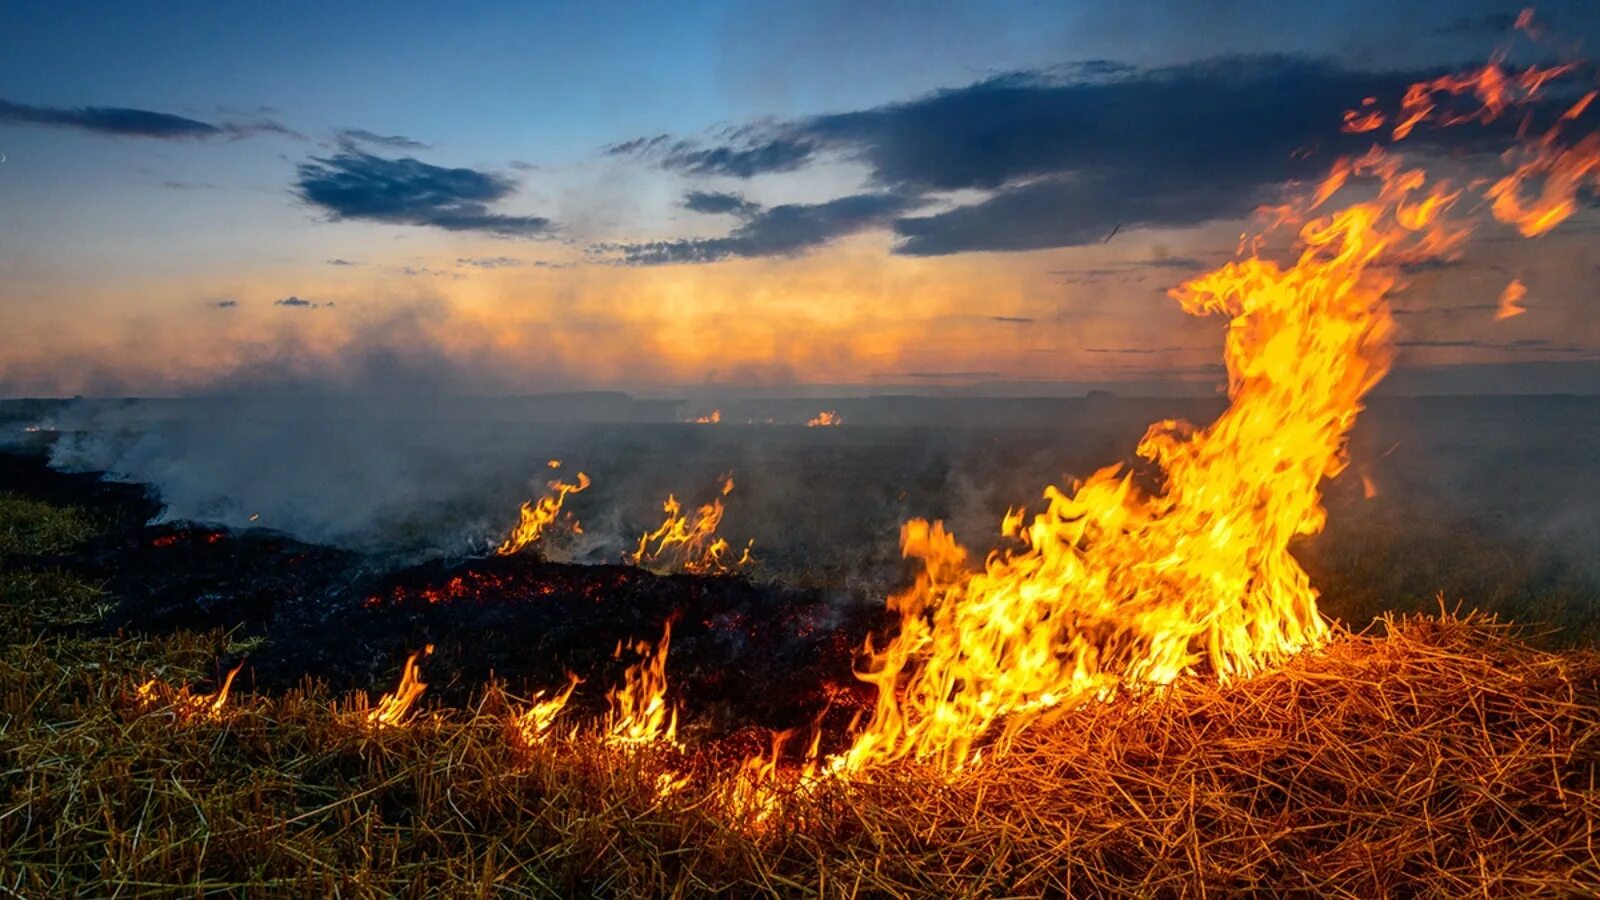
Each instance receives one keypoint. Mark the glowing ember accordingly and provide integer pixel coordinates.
(690, 545)
(529, 725)
(392, 707)
(538, 517)
(639, 713)
(824, 418)
(1115, 586)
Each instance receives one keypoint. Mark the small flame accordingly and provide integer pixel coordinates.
(392, 707)
(685, 545)
(825, 418)
(1511, 300)
(639, 712)
(755, 793)
(530, 724)
(185, 705)
(536, 518)
(710, 418)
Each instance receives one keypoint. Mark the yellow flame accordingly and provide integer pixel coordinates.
(710, 418)
(536, 518)
(392, 707)
(529, 725)
(639, 712)
(690, 545)
(185, 705)
(824, 418)
(1125, 581)
(1511, 300)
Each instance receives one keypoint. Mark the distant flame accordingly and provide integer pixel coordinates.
(690, 545)
(537, 517)
(824, 418)
(710, 418)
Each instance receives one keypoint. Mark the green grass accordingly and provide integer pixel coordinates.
(29, 527)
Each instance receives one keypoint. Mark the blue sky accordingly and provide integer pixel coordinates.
(111, 236)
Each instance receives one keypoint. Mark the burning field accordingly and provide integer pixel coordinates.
(1136, 693)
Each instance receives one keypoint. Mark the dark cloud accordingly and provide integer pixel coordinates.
(787, 230)
(1019, 320)
(226, 304)
(298, 303)
(342, 262)
(744, 159)
(407, 191)
(490, 262)
(190, 186)
(122, 122)
(1070, 156)
(350, 136)
(715, 203)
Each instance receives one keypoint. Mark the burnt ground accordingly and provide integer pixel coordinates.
(743, 653)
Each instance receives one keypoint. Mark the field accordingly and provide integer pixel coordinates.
(1439, 752)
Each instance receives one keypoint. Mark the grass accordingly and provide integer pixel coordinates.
(30, 527)
(1442, 755)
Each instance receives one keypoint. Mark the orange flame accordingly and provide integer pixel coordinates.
(710, 418)
(825, 418)
(184, 704)
(392, 707)
(685, 545)
(1510, 300)
(755, 793)
(530, 725)
(537, 517)
(639, 712)
(1115, 586)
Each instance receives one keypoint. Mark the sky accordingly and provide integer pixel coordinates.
(531, 197)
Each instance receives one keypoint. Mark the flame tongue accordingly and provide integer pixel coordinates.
(1115, 586)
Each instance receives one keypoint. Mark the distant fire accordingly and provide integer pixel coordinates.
(538, 517)
(686, 544)
(710, 418)
(825, 418)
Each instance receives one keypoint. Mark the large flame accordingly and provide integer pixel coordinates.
(684, 544)
(537, 517)
(1133, 578)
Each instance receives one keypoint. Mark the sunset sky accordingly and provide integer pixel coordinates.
(650, 196)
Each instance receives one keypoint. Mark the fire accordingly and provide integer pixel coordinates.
(537, 517)
(1118, 585)
(184, 704)
(690, 545)
(639, 712)
(392, 707)
(755, 793)
(530, 725)
(1511, 300)
(710, 418)
(824, 418)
